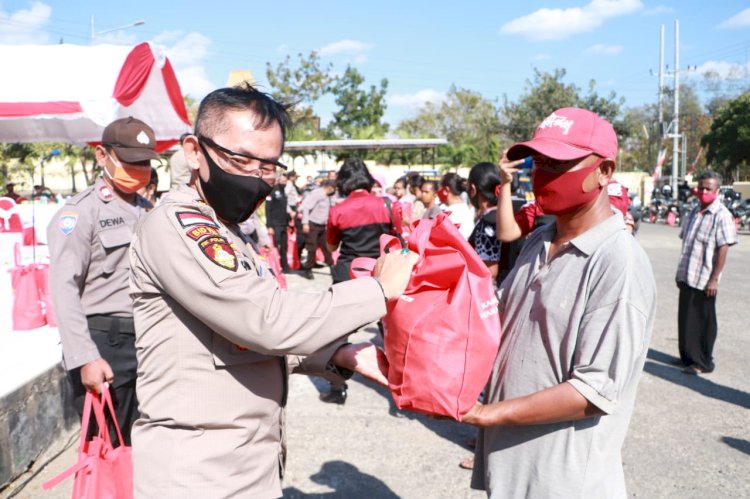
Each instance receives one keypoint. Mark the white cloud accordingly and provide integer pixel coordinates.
(25, 25)
(188, 53)
(604, 49)
(739, 20)
(659, 9)
(556, 24)
(351, 47)
(723, 70)
(541, 57)
(417, 100)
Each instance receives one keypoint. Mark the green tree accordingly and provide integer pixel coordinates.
(301, 87)
(728, 140)
(547, 92)
(360, 111)
(468, 121)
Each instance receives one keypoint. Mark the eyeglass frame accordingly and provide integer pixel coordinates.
(229, 152)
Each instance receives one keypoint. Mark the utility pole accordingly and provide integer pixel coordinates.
(676, 123)
(661, 81)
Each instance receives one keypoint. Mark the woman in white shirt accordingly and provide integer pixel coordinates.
(451, 188)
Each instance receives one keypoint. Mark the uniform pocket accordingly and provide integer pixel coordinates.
(226, 353)
(115, 243)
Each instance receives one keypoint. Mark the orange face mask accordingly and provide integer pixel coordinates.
(129, 179)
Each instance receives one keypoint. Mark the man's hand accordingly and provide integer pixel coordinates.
(474, 416)
(393, 270)
(712, 288)
(270, 231)
(365, 359)
(508, 168)
(305, 228)
(95, 373)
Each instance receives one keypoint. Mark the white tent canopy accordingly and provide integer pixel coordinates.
(69, 93)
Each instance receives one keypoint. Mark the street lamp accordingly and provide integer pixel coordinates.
(95, 33)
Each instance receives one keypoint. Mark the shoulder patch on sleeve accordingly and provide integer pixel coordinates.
(188, 218)
(67, 221)
(201, 231)
(218, 250)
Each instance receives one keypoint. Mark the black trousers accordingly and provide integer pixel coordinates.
(115, 339)
(314, 240)
(281, 241)
(697, 327)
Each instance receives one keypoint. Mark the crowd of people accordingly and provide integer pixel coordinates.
(167, 302)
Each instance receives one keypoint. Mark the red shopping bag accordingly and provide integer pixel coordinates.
(32, 304)
(273, 260)
(27, 305)
(102, 472)
(442, 334)
(292, 252)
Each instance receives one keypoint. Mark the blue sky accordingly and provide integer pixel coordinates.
(420, 47)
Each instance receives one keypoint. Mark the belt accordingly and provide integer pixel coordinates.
(111, 323)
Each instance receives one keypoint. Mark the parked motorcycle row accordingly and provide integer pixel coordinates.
(665, 209)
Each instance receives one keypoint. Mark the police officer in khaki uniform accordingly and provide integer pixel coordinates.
(88, 243)
(215, 334)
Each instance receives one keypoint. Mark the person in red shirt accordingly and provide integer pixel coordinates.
(10, 192)
(354, 228)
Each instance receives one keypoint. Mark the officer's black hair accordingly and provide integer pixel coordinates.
(485, 178)
(209, 122)
(354, 175)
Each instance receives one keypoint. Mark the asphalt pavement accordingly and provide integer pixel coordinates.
(689, 436)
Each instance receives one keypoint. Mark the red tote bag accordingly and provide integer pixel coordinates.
(102, 472)
(442, 334)
(273, 260)
(292, 253)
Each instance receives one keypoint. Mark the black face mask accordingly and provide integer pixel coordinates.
(233, 197)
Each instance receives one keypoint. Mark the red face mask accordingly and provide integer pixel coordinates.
(706, 198)
(559, 193)
(443, 195)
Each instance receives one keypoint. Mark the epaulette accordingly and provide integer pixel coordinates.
(80, 196)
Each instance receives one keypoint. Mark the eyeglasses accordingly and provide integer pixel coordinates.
(240, 160)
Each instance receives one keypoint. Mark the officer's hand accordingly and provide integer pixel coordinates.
(365, 359)
(95, 373)
(270, 231)
(305, 229)
(393, 271)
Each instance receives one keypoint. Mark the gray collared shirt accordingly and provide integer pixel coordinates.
(315, 207)
(584, 317)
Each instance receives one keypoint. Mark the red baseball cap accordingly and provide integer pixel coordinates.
(567, 134)
(618, 196)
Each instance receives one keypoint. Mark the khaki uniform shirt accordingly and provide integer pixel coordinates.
(215, 338)
(88, 240)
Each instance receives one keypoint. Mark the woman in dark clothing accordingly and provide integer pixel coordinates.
(354, 228)
(356, 224)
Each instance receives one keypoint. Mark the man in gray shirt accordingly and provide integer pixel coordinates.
(315, 207)
(577, 313)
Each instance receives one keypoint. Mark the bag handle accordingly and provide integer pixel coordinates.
(389, 243)
(362, 266)
(107, 403)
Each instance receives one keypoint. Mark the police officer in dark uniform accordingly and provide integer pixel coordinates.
(278, 215)
(89, 269)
